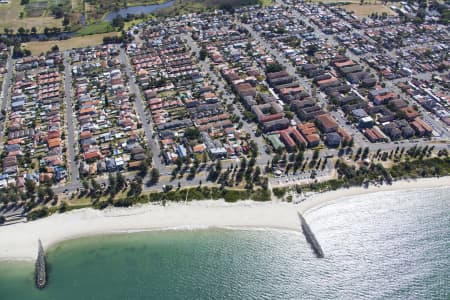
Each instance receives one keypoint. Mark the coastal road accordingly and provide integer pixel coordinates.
(5, 93)
(71, 141)
(140, 108)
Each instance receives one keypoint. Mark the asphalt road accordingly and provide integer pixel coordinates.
(74, 175)
(263, 157)
(5, 93)
(140, 109)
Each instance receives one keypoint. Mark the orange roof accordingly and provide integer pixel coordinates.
(54, 142)
(89, 155)
(199, 148)
(325, 81)
(167, 141)
(135, 164)
(85, 134)
(86, 110)
(44, 176)
(311, 138)
(344, 63)
(53, 134)
(14, 141)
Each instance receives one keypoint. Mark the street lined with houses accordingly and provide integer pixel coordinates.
(265, 97)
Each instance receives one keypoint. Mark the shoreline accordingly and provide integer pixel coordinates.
(317, 200)
(19, 241)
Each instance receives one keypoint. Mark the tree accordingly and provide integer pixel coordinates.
(276, 67)
(136, 187)
(227, 7)
(66, 20)
(154, 176)
(143, 168)
(85, 184)
(202, 54)
(58, 11)
(33, 30)
(2, 219)
(55, 48)
(120, 181)
(112, 184)
(30, 187)
(63, 207)
(95, 187)
(118, 21)
(315, 154)
(18, 52)
(312, 49)
(218, 165)
(252, 162)
(243, 163)
(365, 153)
(49, 191)
(192, 133)
(41, 193)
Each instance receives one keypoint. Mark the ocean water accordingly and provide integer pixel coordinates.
(392, 245)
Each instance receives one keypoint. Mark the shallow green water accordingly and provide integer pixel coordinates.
(383, 246)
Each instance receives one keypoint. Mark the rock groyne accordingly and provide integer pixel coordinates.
(310, 237)
(41, 268)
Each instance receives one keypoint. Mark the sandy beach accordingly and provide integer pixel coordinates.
(19, 241)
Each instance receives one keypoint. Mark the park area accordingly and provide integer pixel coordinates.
(368, 9)
(13, 16)
(37, 48)
(364, 9)
(38, 14)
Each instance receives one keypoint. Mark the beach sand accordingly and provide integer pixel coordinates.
(19, 241)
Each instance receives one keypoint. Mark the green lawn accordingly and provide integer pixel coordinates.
(266, 2)
(96, 28)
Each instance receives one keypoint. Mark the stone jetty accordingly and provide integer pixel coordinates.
(310, 237)
(41, 268)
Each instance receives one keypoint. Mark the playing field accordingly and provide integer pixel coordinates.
(10, 18)
(348, 1)
(367, 9)
(76, 42)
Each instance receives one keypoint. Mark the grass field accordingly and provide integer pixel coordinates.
(97, 28)
(266, 2)
(369, 6)
(367, 9)
(76, 42)
(10, 18)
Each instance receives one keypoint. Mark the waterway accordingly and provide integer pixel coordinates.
(392, 245)
(136, 10)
